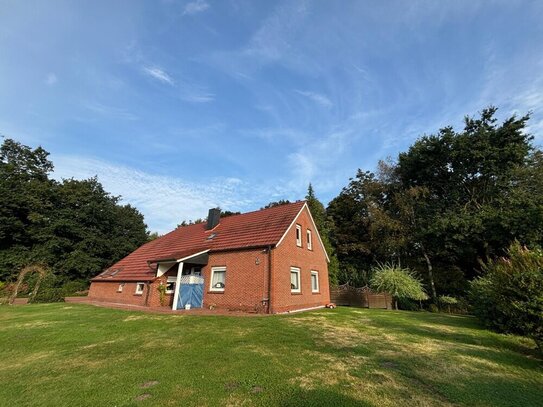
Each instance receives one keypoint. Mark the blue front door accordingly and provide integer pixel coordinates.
(190, 294)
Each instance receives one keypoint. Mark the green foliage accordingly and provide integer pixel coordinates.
(324, 226)
(74, 227)
(447, 301)
(398, 282)
(451, 200)
(162, 294)
(276, 203)
(509, 296)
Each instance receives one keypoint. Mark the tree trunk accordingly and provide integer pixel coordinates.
(430, 275)
(396, 304)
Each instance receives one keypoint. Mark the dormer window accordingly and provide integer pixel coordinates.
(309, 240)
(298, 235)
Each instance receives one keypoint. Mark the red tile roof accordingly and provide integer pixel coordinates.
(253, 229)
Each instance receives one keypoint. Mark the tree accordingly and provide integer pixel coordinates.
(398, 282)
(450, 201)
(276, 203)
(323, 223)
(73, 227)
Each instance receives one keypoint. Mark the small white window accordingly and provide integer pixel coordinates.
(309, 240)
(139, 288)
(170, 284)
(298, 236)
(218, 279)
(315, 281)
(120, 288)
(295, 280)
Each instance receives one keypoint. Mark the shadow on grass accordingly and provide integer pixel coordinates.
(320, 397)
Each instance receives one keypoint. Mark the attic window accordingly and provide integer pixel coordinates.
(211, 236)
(114, 272)
(309, 240)
(298, 236)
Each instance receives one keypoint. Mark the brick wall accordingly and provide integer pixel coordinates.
(107, 291)
(245, 280)
(288, 255)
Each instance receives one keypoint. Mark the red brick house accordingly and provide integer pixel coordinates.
(268, 261)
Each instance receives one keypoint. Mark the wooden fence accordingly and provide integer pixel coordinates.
(359, 297)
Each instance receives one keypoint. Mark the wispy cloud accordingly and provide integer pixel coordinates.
(197, 97)
(51, 79)
(195, 7)
(110, 111)
(158, 74)
(316, 97)
(164, 200)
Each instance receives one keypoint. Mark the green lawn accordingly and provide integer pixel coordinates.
(79, 355)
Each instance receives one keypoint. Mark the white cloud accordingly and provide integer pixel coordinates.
(316, 97)
(195, 7)
(165, 201)
(51, 79)
(158, 74)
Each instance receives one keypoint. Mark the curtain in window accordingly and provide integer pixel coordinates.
(293, 280)
(218, 279)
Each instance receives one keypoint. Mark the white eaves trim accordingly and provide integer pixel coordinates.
(191, 256)
(314, 227)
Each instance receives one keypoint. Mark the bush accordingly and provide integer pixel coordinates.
(408, 305)
(509, 296)
(447, 301)
(75, 287)
(398, 282)
(49, 290)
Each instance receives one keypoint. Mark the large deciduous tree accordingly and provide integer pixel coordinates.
(450, 201)
(74, 227)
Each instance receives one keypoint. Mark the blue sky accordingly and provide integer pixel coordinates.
(180, 106)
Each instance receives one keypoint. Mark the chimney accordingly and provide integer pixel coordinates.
(213, 218)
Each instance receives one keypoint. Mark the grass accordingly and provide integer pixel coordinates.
(79, 355)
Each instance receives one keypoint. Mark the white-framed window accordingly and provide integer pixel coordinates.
(139, 288)
(314, 281)
(170, 284)
(295, 285)
(309, 239)
(120, 288)
(299, 235)
(218, 279)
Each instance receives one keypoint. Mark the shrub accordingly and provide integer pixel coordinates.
(408, 304)
(398, 282)
(509, 296)
(447, 301)
(50, 290)
(75, 287)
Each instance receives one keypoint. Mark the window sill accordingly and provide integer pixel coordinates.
(315, 292)
(215, 292)
(138, 294)
(295, 293)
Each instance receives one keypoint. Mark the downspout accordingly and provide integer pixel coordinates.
(269, 279)
(147, 294)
